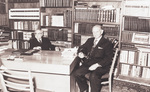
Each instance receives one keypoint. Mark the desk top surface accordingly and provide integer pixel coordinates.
(42, 61)
(43, 57)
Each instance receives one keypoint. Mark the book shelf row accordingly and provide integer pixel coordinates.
(86, 28)
(97, 15)
(55, 34)
(24, 25)
(61, 20)
(135, 71)
(23, 1)
(55, 3)
(136, 24)
(135, 37)
(17, 44)
(2, 8)
(21, 35)
(3, 20)
(135, 57)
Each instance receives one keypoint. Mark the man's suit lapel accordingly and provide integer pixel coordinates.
(99, 44)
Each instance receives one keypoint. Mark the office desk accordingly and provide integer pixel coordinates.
(51, 71)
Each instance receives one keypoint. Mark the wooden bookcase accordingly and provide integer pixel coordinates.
(90, 12)
(134, 61)
(56, 21)
(22, 23)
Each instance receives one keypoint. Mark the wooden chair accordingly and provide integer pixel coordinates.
(107, 78)
(18, 81)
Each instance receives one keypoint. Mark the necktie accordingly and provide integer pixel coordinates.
(92, 49)
(95, 41)
(40, 40)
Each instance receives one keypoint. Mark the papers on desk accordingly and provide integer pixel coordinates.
(68, 55)
(2, 49)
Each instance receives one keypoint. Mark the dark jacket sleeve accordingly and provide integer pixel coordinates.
(31, 44)
(52, 47)
(86, 47)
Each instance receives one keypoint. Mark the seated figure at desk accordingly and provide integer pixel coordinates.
(40, 42)
(95, 55)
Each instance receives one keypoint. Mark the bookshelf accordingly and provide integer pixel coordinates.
(87, 13)
(134, 61)
(23, 22)
(56, 21)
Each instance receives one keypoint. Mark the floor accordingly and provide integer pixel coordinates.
(117, 89)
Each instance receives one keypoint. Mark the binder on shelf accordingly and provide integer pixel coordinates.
(142, 38)
(25, 13)
(57, 20)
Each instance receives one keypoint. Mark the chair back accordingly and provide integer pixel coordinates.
(115, 43)
(16, 81)
(113, 62)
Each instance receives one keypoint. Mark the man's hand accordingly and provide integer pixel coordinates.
(81, 55)
(94, 66)
(37, 48)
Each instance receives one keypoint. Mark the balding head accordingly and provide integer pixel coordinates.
(97, 31)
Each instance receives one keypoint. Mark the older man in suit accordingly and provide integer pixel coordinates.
(96, 56)
(40, 42)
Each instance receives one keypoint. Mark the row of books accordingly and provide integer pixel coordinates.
(25, 5)
(135, 37)
(24, 25)
(60, 20)
(55, 3)
(21, 35)
(132, 23)
(135, 57)
(55, 34)
(2, 8)
(135, 71)
(86, 28)
(23, 1)
(17, 45)
(3, 20)
(97, 15)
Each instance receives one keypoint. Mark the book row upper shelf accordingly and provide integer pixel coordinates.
(85, 29)
(98, 12)
(55, 3)
(23, 1)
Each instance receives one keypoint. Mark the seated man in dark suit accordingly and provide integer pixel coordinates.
(40, 42)
(96, 56)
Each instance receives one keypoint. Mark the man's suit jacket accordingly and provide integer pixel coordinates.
(45, 45)
(101, 54)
